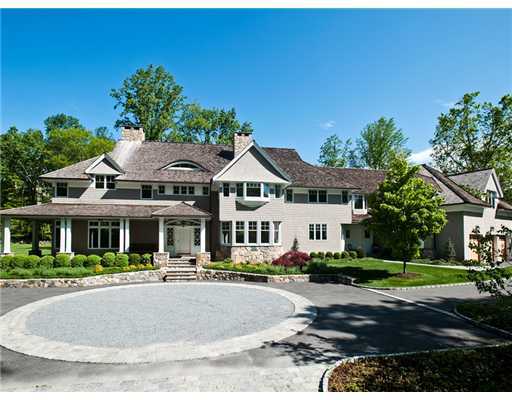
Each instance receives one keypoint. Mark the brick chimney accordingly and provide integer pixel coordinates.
(241, 141)
(132, 133)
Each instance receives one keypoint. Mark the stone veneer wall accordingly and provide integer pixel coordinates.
(160, 259)
(255, 254)
(203, 259)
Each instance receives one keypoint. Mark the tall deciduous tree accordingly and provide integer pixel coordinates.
(202, 125)
(150, 98)
(335, 153)
(473, 136)
(61, 121)
(379, 143)
(405, 210)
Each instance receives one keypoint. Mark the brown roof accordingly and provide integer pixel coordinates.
(357, 218)
(454, 188)
(74, 171)
(502, 204)
(182, 210)
(83, 210)
(366, 180)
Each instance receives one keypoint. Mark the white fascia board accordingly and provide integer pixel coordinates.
(497, 182)
(217, 177)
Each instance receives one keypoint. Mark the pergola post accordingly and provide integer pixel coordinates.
(6, 235)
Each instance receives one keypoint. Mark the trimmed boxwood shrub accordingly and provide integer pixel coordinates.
(5, 262)
(328, 254)
(292, 259)
(108, 260)
(18, 262)
(353, 254)
(360, 252)
(121, 260)
(321, 254)
(345, 254)
(31, 262)
(46, 262)
(313, 254)
(134, 259)
(92, 261)
(337, 255)
(22, 273)
(62, 261)
(78, 261)
(146, 258)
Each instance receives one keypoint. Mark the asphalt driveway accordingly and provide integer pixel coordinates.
(350, 321)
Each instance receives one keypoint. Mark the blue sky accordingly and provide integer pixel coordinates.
(297, 75)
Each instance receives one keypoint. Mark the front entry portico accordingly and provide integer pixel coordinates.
(183, 237)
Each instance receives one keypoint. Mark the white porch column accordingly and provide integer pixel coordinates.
(271, 232)
(62, 244)
(7, 235)
(203, 235)
(233, 227)
(68, 236)
(121, 235)
(127, 235)
(160, 235)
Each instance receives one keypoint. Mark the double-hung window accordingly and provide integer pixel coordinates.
(253, 189)
(277, 232)
(240, 232)
(344, 197)
(265, 232)
(176, 190)
(161, 189)
(225, 232)
(61, 189)
(104, 234)
(239, 189)
(253, 232)
(359, 202)
(146, 192)
(317, 196)
(104, 182)
(289, 195)
(317, 231)
(100, 181)
(225, 189)
(206, 190)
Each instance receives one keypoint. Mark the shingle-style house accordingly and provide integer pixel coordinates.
(245, 202)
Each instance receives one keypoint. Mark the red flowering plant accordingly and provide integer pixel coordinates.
(292, 259)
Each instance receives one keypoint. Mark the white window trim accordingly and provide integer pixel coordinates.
(361, 210)
(318, 196)
(286, 196)
(258, 233)
(98, 228)
(321, 225)
(146, 198)
(67, 189)
(195, 166)
(260, 198)
(230, 224)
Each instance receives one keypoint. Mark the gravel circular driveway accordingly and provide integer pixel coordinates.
(155, 322)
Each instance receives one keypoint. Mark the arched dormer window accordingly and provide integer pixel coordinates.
(184, 165)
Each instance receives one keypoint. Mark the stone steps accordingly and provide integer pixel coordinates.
(180, 269)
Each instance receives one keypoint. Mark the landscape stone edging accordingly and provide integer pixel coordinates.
(324, 380)
(482, 325)
(225, 275)
(151, 275)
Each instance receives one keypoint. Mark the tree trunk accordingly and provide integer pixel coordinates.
(405, 262)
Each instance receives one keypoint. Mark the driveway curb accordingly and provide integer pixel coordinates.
(482, 324)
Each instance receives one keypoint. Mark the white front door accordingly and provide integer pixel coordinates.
(183, 239)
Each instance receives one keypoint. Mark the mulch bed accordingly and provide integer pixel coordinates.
(458, 370)
(407, 275)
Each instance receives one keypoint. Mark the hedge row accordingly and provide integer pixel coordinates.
(108, 260)
(359, 253)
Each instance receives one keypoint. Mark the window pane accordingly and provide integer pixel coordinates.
(311, 232)
(265, 190)
(104, 238)
(161, 189)
(253, 232)
(226, 232)
(322, 196)
(183, 190)
(175, 190)
(114, 238)
(253, 189)
(278, 191)
(191, 190)
(324, 231)
(110, 182)
(240, 232)
(277, 238)
(265, 232)
(100, 181)
(313, 196)
(344, 197)
(197, 236)
(239, 190)
(289, 195)
(358, 202)
(317, 232)
(62, 189)
(225, 189)
(347, 234)
(93, 238)
(206, 190)
(146, 191)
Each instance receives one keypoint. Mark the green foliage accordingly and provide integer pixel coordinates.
(5, 262)
(31, 262)
(335, 153)
(360, 252)
(380, 142)
(146, 258)
(449, 251)
(18, 262)
(405, 210)
(134, 259)
(78, 261)
(352, 254)
(313, 254)
(328, 254)
(490, 278)
(22, 273)
(92, 260)
(337, 255)
(62, 261)
(345, 254)
(473, 136)
(321, 255)
(46, 262)
(108, 260)
(61, 121)
(121, 260)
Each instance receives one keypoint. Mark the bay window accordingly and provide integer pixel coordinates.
(253, 189)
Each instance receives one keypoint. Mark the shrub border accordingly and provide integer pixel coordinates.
(324, 380)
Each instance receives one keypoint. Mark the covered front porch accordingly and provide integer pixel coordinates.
(176, 230)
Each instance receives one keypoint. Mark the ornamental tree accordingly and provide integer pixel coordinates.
(405, 210)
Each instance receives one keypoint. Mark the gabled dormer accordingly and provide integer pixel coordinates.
(103, 171)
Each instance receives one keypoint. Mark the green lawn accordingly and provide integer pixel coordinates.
(377, 273)
(490, 312)
(483, 369)
(21, 249)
